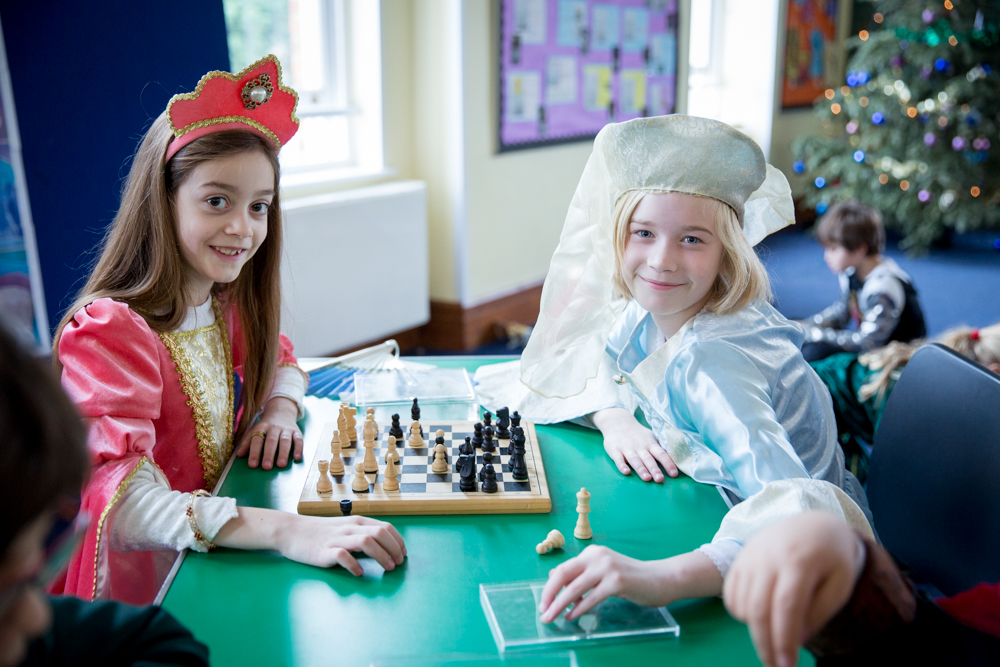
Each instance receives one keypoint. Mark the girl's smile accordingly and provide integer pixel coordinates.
(221, 218)
(672, 256)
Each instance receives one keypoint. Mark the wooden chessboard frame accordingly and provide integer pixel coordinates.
(380, 502)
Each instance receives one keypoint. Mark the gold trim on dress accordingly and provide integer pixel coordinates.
(212, 459)
(104, 515)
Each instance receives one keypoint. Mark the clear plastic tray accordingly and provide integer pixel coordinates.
(565, 659)
(512, 612)
(443, 393)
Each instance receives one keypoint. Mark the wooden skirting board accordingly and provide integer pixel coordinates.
(457, 329)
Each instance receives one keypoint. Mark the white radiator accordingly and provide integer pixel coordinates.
(355, 266)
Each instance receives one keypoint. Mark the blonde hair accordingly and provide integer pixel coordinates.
(140, 263)
(983, 348)
(742, 278)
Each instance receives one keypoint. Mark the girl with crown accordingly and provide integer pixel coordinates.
(656, 299)
(173, 356)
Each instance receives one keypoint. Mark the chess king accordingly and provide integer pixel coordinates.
(174, 340)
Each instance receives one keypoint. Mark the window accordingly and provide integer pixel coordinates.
(312, 40)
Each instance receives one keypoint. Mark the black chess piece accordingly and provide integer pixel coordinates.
(488, 475)
(345, 507)
(487, 459)
(477, 436)
(503, 421)
(517, 466)
(415, 411)
(467, 472)
(488, 444)
(515, 419)
(396, 430)
(487, 418)
(467, 447)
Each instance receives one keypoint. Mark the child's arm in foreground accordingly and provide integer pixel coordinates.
(629, 443)
(606, 573)
(318, 541)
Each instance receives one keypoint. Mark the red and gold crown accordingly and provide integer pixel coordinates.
(252, 100)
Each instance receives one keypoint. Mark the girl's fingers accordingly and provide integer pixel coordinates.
(573, 591)
(792, 593)
(640, 468)
(256, 445)
(619, 460)
(388, 542)
(559, 577)
(583, 605)
(660, 454)
(650, 464)
(243, 447)
(297, 440)
(344, 558)
(759, 616)
(270, 447)
(284, 448)
(389, 528)
(371, 547)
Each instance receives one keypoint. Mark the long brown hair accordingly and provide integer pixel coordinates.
(140, 263)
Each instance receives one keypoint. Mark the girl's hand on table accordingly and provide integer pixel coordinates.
(602, 572)
(325, 542)
(275, 433)
(629, 443)
(790, 580)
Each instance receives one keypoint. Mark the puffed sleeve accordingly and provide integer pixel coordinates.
(718, 395)
(111, 371)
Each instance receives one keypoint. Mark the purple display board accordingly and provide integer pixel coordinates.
(569, 67)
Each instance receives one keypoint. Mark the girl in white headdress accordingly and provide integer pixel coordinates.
(656, 299)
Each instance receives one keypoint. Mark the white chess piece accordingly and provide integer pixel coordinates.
(416, 437)
(391, 452)
(360, 483)
(336, 463)
(440, 464)
(391, 480)
(323, 485)
(553, 540)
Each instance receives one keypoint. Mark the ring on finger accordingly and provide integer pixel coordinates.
(262, 434)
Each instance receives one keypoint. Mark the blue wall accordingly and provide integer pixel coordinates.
(88, 79)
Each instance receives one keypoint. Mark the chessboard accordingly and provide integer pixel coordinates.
(422, 491)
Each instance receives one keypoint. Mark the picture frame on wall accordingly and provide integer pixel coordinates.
(814, 58)
(569, 67)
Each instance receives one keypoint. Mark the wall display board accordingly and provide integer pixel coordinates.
(569, 67)
(812, 58)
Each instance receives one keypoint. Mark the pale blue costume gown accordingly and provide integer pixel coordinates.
(749, 407)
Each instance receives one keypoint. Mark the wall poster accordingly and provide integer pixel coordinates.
(812, 56)
(569, 67)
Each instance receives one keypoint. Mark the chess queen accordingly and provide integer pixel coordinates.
(656, 299)
(173, 356)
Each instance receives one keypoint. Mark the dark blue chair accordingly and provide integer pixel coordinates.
(934, 477)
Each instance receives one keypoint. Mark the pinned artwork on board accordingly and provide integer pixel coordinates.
(813, 60)
(569, 67)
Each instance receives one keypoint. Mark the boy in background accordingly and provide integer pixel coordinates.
(43, 460)
(877, 296)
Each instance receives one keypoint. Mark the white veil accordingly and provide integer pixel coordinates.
(662, 154)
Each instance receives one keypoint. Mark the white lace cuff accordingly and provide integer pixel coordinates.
(722, 553)
(149, 516)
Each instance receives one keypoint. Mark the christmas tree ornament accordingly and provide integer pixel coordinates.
(958, 143)
(924, 196)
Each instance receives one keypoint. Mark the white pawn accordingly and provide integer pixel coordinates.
(370, 414)
(336, 463)
(391, 454)
(391, 480)
(360, 483)
(440, 465)
(553, 540)
(416, 437)
(323, 485)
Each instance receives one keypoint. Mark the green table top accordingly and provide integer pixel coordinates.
(260, 609)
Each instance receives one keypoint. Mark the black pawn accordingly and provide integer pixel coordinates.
(515, 419)
(488, 444)
(415, 411)
(487, 418)
(518, 469)
(345, 507)
(396, 430)
(489, 475)
(503, 421)
(487, 460)
(477, 436)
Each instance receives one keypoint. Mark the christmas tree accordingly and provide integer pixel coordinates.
(913, 132)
